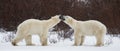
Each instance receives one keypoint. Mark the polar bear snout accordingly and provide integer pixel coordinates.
(62, 17)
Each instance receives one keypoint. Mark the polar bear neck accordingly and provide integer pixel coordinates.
(71, 23)
(52, 23)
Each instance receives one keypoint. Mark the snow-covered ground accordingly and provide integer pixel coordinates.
(111, 44)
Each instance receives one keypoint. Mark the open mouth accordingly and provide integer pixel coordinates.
(62, 17)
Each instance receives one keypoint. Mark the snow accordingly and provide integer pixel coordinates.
(54, 48)
(111, 44)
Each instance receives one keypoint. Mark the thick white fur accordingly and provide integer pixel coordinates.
(34, 26)
(86, 28)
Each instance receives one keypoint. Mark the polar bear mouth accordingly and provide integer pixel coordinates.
(62, 17)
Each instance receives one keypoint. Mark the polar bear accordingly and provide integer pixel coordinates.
(86, 28)
(34, 26)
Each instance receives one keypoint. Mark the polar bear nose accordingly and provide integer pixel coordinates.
(62, 17)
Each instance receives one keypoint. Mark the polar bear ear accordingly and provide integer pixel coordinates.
(53, 17)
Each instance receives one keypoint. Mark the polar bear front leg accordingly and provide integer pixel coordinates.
(43, 39)
(28, 40)
(77, 38)
(82, 40)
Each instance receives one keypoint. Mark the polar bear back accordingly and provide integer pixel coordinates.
(91, 27)
(33, 26)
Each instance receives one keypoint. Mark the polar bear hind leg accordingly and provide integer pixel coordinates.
(100, 39)
(28, 40)
(17, 39)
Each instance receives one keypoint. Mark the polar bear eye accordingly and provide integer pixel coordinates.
(66, 17)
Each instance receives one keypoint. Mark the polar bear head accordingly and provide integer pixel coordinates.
(55, 18)
(67, 19)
